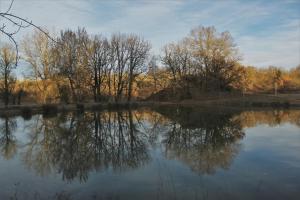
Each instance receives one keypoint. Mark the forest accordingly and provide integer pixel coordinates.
(76, 66)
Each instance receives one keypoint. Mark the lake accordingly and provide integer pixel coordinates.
(159, 153)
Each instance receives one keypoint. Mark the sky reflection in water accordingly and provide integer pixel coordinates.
(165, 153)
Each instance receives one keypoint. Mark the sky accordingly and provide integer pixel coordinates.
(267, 32)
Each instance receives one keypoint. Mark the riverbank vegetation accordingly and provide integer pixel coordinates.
(76, 67)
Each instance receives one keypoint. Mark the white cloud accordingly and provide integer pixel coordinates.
(280, 48)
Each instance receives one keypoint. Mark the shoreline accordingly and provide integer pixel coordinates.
(232, 103)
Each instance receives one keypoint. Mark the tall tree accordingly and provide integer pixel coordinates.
(7, 64)
(120, 53)
(73, 61)
(216, 57)
(38, 52)
(138, 54)
(178, 59)
(99, 61)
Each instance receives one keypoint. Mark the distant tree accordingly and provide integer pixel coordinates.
(7, 64)
(153, 72)
(276, 78)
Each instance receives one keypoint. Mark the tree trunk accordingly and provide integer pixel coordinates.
(130, 87)
(6, 92)
(275, 89)
(73, 90)
(95, 84)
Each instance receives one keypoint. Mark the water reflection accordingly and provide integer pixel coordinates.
(8, 142)
(76, 144)
(202, 140)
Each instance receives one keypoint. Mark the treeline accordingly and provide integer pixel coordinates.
(76, 67)
(208, 61)
(80, 64)
(271, 80)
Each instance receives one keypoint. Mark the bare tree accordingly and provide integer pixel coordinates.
(73, 60)
(215, 55)
(121, 56)
(138, 54)
(99, 62)
(178, 59)
(7, 58)
(38, 52)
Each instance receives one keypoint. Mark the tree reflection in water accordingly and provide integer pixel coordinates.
(203, 140)
(76, 144)
(8, 144)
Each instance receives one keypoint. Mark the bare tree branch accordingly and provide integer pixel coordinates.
(20, 23)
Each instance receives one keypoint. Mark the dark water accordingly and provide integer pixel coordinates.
(167, 153)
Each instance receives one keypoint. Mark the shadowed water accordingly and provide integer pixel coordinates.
(164, 153)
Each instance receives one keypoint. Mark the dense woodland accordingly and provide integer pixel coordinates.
(78, 67)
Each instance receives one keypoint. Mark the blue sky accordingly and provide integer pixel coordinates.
(266, 32)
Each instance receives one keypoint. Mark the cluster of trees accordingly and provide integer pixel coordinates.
(271, 79)
(80, 64)
(209, 61)
(76, 67)
(205, 59)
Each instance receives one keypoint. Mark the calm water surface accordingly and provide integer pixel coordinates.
(165, 153)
